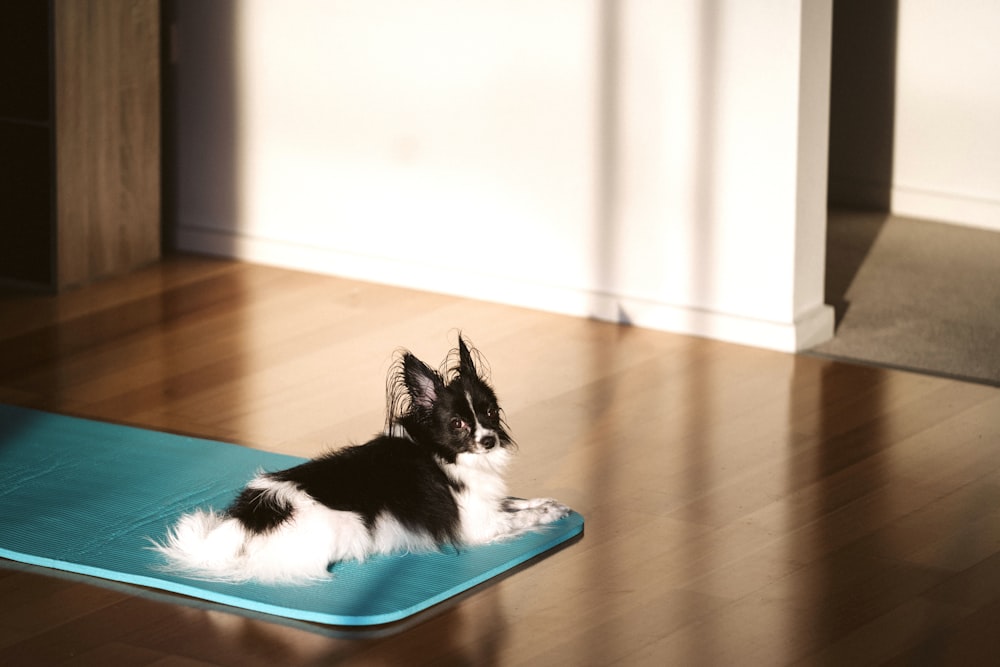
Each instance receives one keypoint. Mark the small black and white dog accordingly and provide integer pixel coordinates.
(434, 477)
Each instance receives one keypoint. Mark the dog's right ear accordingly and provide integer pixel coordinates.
(423, 384)
(466, 366)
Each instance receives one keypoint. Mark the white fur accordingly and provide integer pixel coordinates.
(211, 546)
(486, 514)
(208, 545)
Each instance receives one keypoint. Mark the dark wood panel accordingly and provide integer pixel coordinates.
(79, 140)
(107, 101)
(24, 61)
(26, 170)
(26, 230)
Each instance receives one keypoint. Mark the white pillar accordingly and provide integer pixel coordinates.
(720, 212)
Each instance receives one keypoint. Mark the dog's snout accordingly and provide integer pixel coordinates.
(488, 441)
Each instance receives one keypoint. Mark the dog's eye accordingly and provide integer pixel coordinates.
(456, 424)
(493, 414)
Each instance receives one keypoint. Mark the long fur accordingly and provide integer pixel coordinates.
(435, 476)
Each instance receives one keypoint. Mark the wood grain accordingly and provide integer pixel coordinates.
(107, 138)
(743, 506)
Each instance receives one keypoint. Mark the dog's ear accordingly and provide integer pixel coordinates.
(466, 366)
(423, 384)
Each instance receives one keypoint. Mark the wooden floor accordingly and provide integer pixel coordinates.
(743, 507)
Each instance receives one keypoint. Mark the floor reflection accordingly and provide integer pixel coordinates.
(837, 471)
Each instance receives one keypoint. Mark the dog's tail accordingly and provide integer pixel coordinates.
(214, 546)
(206, 545)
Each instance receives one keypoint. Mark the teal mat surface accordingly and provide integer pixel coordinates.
(86, 496)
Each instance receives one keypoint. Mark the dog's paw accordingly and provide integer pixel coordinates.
(549, 509)
(525, 514)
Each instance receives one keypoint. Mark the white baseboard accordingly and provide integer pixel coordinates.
(808, 330)
(946, 207)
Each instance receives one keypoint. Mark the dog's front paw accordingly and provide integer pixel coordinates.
(526, 514)
(549, 509)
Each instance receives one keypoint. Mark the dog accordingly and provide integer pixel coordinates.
(434, 477)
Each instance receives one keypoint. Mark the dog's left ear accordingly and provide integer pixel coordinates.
(422, 383)
(466, 367)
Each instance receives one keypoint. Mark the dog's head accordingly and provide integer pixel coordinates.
(455, 413)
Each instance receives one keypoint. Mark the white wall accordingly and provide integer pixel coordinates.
(658, 162)
(723, 169)
(946, 158)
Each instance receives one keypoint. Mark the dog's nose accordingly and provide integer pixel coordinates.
(488, 441)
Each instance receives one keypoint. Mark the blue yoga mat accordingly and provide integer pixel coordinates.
(86, 496)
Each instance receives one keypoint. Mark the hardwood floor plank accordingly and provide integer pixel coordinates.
(743, 506)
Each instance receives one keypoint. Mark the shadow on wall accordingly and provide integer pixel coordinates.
(611, 148)
(209, 92)
(836, 429)
(862, 116)
(607, 141)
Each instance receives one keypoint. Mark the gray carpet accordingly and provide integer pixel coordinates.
(913, 294)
